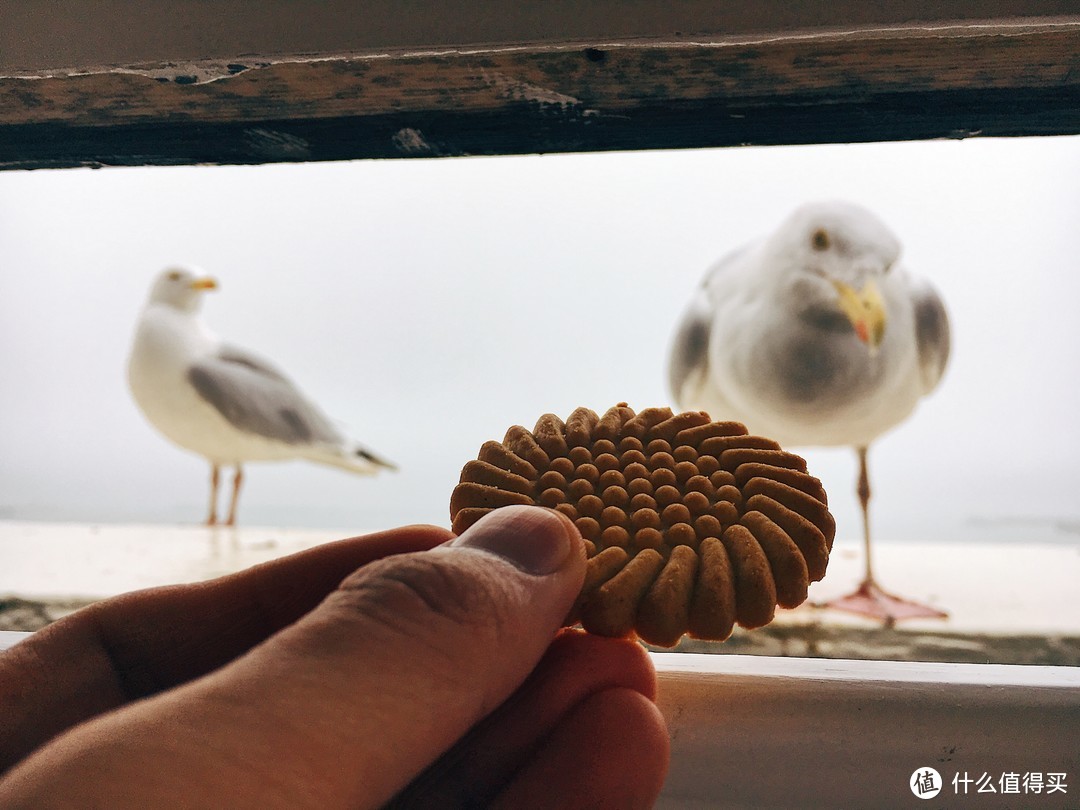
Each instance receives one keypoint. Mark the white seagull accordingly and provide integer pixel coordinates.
(816, 335)
(221, 402)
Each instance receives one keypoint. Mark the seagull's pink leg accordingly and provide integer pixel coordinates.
(863, 489)
(215, 479)
(238, 479)
(869, 599)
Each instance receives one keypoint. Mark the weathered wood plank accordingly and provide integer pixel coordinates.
(896, 83)
(35, 36)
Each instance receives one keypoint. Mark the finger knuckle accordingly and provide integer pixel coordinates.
(429, 595)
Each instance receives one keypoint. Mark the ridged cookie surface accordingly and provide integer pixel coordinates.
(691, 526)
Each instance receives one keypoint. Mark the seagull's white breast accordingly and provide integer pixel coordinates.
(786, 379)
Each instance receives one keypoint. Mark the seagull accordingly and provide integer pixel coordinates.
(816, 335)
(221, 402)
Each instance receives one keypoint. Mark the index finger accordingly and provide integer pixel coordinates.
(144, 642)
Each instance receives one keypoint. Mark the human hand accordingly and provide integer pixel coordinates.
(405, 666)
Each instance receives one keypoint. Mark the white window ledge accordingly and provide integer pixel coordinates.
(756, 731)
(750, 731)
(9, 638)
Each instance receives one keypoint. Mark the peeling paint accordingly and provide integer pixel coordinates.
(411, 141)
(525, 91)
(175, 72)
(189, 73)
(277, 145)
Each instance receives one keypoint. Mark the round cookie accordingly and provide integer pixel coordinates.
(690, 525)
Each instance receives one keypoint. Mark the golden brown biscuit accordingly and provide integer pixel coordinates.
(690, 525)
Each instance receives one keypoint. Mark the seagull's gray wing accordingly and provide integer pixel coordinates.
(257, 398)
(688, 364)
(931, 333)
(690, 350)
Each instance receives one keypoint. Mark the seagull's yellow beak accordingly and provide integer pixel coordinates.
(865, 309)
(204, 283)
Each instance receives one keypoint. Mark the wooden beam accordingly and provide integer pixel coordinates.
(39, 36)
(898, 82)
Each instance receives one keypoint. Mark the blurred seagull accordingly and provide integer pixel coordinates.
(816, 335)
(221, 402)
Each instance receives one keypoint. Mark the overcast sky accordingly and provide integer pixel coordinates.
(430, 304)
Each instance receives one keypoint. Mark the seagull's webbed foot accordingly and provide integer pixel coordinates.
(870, 600)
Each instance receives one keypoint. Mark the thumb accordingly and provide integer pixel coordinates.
(349, 704)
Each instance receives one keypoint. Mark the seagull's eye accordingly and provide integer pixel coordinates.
(820, 239)
(174, 275)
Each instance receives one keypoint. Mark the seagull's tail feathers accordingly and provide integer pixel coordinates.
(354, 457)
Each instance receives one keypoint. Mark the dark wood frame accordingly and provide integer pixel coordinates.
(901, 81)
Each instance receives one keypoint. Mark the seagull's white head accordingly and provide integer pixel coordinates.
(837, 255)
(181, 288)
